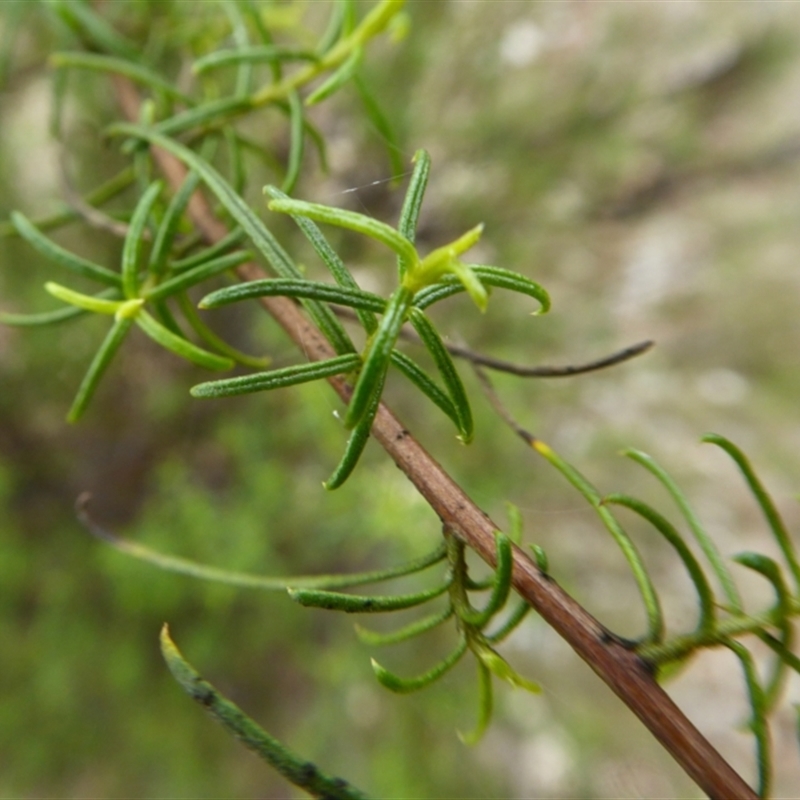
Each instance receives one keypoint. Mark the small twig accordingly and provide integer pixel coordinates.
(93, 216)
(85, 519)
(478, 360)
(460, 351)
(501, 410)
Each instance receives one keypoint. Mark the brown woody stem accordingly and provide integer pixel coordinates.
(622, 670)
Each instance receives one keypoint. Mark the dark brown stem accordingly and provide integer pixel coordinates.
(498, 365)
(624, 672)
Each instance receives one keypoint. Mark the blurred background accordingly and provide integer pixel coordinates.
(640, 160)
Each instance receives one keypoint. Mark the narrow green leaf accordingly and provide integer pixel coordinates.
(776, 523)
(92, 27)
(97, 197)
(210, 338)
(249, 580)
(180, 346)
(335, 26)
(540, 556)
(157, 263)
(377, 355)
(412, 202)
(254, 54)
(98, 367)
(382, 125)
(363, 604)
(405, 685)
(514, 522)
(131, 251)
(655, 617)
(329, 257)
(485, 703)
(489, 276)
(409, 631)
(502, 669)
(707, 621)
(500, 588)
(231, 240)
(351, 220)
(98, 304)
(241, 37)
(296, 142)
(277, 378)
(338, 78)
(236, 165)
(758, 721)
(81, 266)
(357, 440)
(783, 610)
(120, 66)
(447, 369)
(514, 619)
(291, 287)
(52, 317)
(211, 112)
(191, 277)
(424, 383)
(703, 539)
(295, 769)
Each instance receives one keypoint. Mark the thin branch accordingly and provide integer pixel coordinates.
(498, 365)
(621, 669)
(93, 216)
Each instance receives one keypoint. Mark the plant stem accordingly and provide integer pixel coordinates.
(626, 674)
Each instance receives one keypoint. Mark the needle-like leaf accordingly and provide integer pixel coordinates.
(277, 378)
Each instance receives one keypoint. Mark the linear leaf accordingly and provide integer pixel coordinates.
(500, 588)
(489, 276)
(98, 366)
(351, 220)
(357, 440)
(132, 248)
(409, 631)
(337, 79)
(254, 54)
(120, 66)
(329, 257)
(290, 287)
(363, 604)
(425, 384)
(405, 685)
(377, 355)
(485, 704)
(296, 142)
(447, 369)
(703, 539)
(776, 523)
(655, 618)
(294, 768)
(180, 346)
(81, 266)
(210, 338)
(278, 378)
(191, 277)
(668, 531)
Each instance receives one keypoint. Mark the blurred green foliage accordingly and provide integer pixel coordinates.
(640, 160)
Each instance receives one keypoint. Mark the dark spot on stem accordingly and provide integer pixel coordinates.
(204, 695)
(308, 771)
